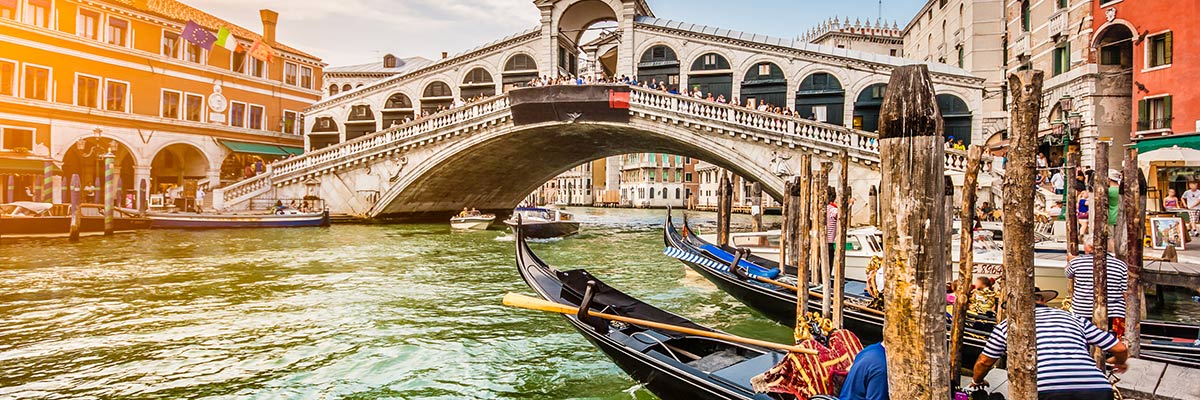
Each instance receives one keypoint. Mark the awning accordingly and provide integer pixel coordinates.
(26, 166)
(293, 150)
(1183, 141)
(255, 148)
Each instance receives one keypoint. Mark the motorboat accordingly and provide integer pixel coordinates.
(543, 223)
(281, 218)
(479, 222)
(35, 219)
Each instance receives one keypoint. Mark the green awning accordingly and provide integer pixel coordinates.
(293, 150)
(1183, 141)
(26, 166)
(254, 148)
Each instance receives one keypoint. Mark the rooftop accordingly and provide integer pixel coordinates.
(182, 13)
(402, 65)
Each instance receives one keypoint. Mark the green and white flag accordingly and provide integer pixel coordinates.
(226, 39)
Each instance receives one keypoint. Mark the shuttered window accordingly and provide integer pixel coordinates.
(1154, 114)
(1160, 50)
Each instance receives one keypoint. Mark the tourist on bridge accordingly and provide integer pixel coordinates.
(1080, 270)
(1065, 369)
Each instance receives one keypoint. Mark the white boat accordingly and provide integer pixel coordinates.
(472, 222)
(862, 244)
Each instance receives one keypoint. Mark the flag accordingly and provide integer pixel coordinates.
(261, 51)
(199, 36)
(226, 39)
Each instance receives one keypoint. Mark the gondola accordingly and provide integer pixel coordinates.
(778, 303)
(669, 364)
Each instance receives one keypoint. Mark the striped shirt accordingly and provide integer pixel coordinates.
(831, 217)
(1063, 361)
(1080, 269)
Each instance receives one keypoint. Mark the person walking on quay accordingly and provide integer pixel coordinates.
(1191, 201)
(1065, 369)
(1114, 196)
(1080, 270)
(1058, 182)
(199, 199)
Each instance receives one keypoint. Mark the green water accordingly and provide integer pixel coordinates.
(351, 311)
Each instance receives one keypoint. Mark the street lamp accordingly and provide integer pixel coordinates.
(1066, 125)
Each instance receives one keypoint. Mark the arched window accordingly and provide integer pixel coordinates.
(821, 98)
(397, 101)
(324, 124)
(347, 87)
(519, 70)
(324, 133)
(333, 89)
(711, 73)
(1025, 15)
(389, 61)
(520, 62)
(765, 83)
(477, 75)
(866, 107)
(709, 62)
(437, 89)
(956, 117)
(660, 64)
(478, 82)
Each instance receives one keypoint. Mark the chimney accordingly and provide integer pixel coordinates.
(269, 20)
(445, 55)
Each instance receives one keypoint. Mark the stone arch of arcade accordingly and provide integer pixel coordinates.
(84, 158)
(495, 172)
(179, 165)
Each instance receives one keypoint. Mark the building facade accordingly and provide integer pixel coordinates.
(968, 34)
(79, 79)
(878, 38)
(350, 77)
(654, 180)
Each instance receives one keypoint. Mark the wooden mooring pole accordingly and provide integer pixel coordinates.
(785, 229)
(801, 242)
(966, 259)
(873, 205)
(839, 255)
(724, 209)
(822, 251)
(756, 208)
(1026, 90)
(1099, 213)
(1072, 206)
(1133, 204)
(796, 232)
(911, 148)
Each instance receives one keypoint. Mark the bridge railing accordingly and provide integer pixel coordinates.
(786, 126)
(253, 186)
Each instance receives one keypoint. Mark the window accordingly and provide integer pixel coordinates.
(170, 104)
(687, 177)
(8, 9)
(961, 56)
(37, 83)
(87, 91)
(87, 24)
(764, 69)
(290, 125)
(115, 95)
(941, 3)
(117, 31)
(1154, 113)
(1025, 15)
(1159, 47)
(8, 78)
(193, 53)
(257, 67)
(306, 77)
(16, 138)
(1062, 58)
(193, 107)
(170, 44)
(237, 62)
(289, 74)
(892, 52)
(256, 117)
(1062, 4)
(237, 114)
(37, 12)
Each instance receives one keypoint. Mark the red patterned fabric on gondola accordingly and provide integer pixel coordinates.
(807, 375)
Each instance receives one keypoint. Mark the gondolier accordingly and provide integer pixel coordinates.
(1080, 269)
(1065, 369)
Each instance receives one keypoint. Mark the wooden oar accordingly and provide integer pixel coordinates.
(523, 301)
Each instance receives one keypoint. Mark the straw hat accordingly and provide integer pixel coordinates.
(1046, 295)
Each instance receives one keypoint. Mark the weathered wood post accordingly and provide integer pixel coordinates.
(1100, 233)
(109, 192)
(820, 233)
(801, 242)
(1026, 90)
(1133, 205)
(873, 205)
(966, 259)
(911, 148)
(839, 255)
(1072, 207)
(724, 208)
(795, 210)
(76, 200)
(786, 228)
(756, 209)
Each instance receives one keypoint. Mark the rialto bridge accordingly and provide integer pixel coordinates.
(370, 155)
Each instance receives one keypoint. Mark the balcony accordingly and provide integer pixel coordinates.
(1021, 46)
(1154, 124)
(1058, 23)
(957, 39)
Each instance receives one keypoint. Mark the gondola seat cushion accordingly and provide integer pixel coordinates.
(741, 373)
(750, 267)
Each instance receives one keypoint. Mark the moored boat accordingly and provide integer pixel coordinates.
(472, 222)
(32, 219)
(671, 365)
(282, 219)
(543, 223)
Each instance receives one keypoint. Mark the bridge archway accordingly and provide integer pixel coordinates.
(519, 70)
(763, 83)
(481, 171)
(711, 73)
(437, 95)
(397, 109)
(477, 82)
(866, 107)
(821, 98)
(660, 63)
(361, 121)
(324, 133)
(956, 117)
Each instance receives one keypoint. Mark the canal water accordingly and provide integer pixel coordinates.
(350, 311)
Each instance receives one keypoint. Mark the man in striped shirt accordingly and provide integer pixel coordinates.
(1080, 269)
(1065, 369)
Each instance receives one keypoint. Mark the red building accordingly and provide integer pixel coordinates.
(1148, 49)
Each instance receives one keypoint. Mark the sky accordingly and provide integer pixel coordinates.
(348, 32)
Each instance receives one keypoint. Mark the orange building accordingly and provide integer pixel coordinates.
(80, 78)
